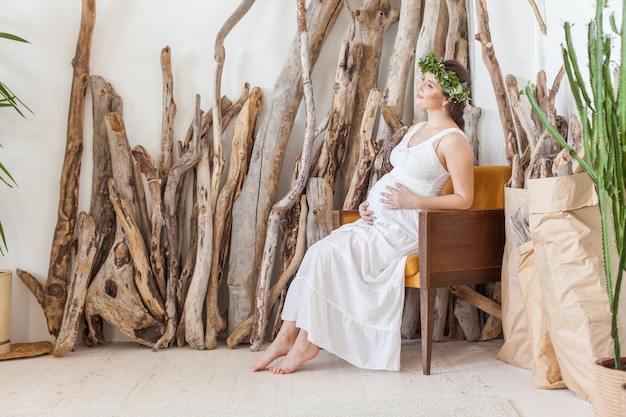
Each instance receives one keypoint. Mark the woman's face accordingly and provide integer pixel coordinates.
(429, 93)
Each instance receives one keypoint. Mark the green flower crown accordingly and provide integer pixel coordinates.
(449, 81)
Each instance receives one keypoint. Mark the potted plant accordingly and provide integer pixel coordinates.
(602, 113)
(8, 99)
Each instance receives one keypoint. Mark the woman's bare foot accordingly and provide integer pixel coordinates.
(302, 351)
(281, 346)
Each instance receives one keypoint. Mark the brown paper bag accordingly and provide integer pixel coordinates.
(565, 228)
(545, 366)
(516, 347)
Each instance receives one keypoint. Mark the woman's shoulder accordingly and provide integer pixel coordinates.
(454, 142)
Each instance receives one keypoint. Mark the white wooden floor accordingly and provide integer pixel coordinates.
(129, 376)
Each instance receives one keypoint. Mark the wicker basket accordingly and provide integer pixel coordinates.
(607, 398)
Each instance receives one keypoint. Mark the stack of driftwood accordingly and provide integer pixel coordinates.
(151, 256)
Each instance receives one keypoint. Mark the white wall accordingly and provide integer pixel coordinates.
(128, 39)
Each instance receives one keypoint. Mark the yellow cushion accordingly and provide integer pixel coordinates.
(412, 271)
(489, 181)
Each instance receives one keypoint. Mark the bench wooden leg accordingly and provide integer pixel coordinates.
(427, 316)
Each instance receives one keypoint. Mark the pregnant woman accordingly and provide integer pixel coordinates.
(348, 294)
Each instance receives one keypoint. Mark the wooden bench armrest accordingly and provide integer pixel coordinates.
(450, 241)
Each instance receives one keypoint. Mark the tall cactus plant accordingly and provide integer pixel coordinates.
(603, 117)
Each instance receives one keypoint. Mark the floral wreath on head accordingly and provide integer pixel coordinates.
(450, 84)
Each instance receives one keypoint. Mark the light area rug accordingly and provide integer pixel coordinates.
(456, 406)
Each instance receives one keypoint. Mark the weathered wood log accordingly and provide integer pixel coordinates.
(186, 162)
(473, 297)
(547, 145)
(129, 216)
(141, 206)
(53, 293)
(320, 201)
(425, 45)
(391, 118)
(113, 294)
(381, 162)
(442, 298)
(245, 328)
(493, 325)
(441, 30)
(541, 95)
(157, 259)
(290, 232)
(495, 73)
(196, 294)
(261, 185)
(574, 138)
(189, 263)
(400, 63)
(144, 279)
(467, 315)
(340, 115)
(218, 129)
(471, 117)
(540, 22)
(368, 149)
(87, 248)
(410, 317)
(517, 173)
(262, 308)
(243, 140)
(229, 110)
(523, 127)
(375, 17)
(169, 114)
(105, 100)
(457, 44)
(562, 165)
(554, 90)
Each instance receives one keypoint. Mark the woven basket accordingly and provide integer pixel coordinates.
(607, 398)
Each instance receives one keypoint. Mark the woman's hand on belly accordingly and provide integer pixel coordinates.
(398, 197)
(366, 215)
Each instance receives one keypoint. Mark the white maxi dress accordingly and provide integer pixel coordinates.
(348, 293)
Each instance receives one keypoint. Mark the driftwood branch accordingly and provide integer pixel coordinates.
(261, 308)
(260, 188)
(241, 332)
(88, 245)
(540, 22)
(374, 18)
(54, 290)
(169, 114)
(367, 153)
(243, 139)
(194, 302)
(186, 162)
(157, 259)
(400, 62)
(493, 66)
(218, 129)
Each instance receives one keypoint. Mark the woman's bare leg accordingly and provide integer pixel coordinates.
(281, 345)
(302, 351)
